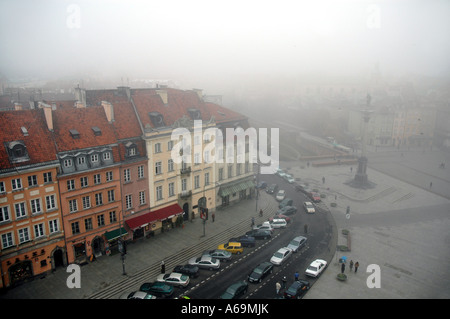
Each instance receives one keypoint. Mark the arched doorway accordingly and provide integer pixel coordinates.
(58, 258)
(186, 211)
(98, 246)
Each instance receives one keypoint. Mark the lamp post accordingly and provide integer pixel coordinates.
(361, 174)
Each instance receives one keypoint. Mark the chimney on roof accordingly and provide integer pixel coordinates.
(163, 95)
(109, 111)
(124, 90)
(48, 113)
(80, 95)
(79, 105)
(199, 93)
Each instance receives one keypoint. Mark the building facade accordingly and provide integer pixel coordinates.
(31, 227)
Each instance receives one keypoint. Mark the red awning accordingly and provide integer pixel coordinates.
(160, 214)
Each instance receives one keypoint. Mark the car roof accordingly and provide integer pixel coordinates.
(317, 262)
(298, 238)
(307, 203)
(264, 264)
(283, 249)
(278, 220)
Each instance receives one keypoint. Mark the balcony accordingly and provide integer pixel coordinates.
(185, 194)
(185, 170)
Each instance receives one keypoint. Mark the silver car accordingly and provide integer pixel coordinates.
(297, 243)
(205, 262)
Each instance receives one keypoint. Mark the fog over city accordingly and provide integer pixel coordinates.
(221, 43)
(357, 93)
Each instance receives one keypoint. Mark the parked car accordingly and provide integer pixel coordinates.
(246, 241)
(280, 195)
(286, 202)
(264, 226)
(158, 289)
(309, 207)
(315, 197)
(302, 188)
(235, 291)
(280, 216)
(190, 270)
(260, 271)
(174, 279)
(232, 248)
(218, 254)
(280, 256)
(287, 210)
(289, 178)
(272, 188)
(259, 234)
(297, 289)
(136, 295)
(205, 262)
(278, 223)
(297, 243)
(262, 185)
(316, 268)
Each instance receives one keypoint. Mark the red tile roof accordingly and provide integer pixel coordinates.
(39, 142)
(82, 120)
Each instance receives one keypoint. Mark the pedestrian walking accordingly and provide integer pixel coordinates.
(260, 213)
(342, 268)
(213, 216)
(351, 265)
(283, 282)
(278, 287)
(253, 221)
(296, 276)
(163, 267)
(305, 228)
(356, 266)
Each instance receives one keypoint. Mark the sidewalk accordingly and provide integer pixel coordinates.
(389, 228)
(104, 277)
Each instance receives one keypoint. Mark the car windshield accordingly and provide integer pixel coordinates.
(313, 268)
(258, 271)
(294, 243)
(278, 255)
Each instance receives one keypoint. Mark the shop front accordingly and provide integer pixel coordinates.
(154, 222)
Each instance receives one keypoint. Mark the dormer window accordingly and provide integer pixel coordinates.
(157, 119)
(131, 149)
(195, 114)
(74, 133)
(97, 131)
(17, 151)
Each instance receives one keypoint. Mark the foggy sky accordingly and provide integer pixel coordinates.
(211, 40)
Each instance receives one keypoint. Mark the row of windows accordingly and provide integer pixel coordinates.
(23, 235)
(34, 206)
(17, 183)
(81, 160)
(86, 201)
(109, 176)
(88, 222)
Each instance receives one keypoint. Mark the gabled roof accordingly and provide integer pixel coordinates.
(35, 136)
(81, 120)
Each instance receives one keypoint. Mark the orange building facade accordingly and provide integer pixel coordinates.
(31, 229)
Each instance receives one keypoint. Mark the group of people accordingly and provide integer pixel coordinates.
(351, 266)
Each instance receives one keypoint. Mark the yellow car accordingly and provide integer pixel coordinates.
(232, 247)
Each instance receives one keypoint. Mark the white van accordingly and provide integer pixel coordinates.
(278, 223)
